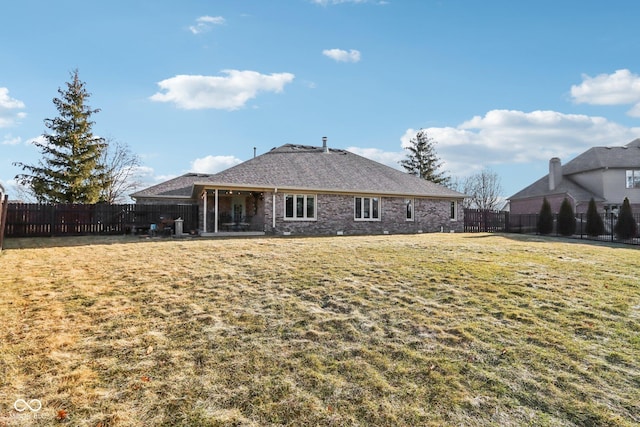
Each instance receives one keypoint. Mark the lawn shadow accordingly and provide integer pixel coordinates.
(539, 238)
(71, 241)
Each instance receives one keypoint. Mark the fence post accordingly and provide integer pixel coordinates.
(581, 226)
(4, 205)
(611, 227)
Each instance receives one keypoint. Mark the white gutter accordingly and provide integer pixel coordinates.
(330, 190)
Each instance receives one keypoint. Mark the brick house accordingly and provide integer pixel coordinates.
(606, 174)
(307, 190)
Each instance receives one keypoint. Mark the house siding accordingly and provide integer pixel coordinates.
(335, 214)
(615, 188)
(595, 181)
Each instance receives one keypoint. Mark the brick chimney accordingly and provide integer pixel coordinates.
(555, 173)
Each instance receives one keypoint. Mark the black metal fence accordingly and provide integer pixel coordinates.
(45, 220)
(476, 220)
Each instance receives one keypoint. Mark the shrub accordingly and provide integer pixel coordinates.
(545, 219)
(626, 226)
(566, 219)
(595, 226)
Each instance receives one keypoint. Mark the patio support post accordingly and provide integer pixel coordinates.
(215, 212)
(204, 214)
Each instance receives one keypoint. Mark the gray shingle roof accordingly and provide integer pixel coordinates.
(308, 168)
(180, 187)
(567, 186)
(627, 156)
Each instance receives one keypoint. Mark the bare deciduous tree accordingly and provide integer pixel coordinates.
(483, 190)
(121, 166)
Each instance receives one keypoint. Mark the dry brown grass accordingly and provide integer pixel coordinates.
(431, 329)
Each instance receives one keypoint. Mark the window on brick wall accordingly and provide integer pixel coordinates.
(409, 207)
(300, 207)
(366, 208)
(454, 210)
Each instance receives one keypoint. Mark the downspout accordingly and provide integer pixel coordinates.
(273, 208)
(215, 213)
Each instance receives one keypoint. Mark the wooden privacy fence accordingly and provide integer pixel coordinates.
(480, 220)
(476, 220)
(3, 217)
(44, 220)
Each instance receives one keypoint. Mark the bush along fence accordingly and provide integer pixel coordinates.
(45, 220)
(476, 220)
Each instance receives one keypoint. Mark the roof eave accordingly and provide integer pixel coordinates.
(160, 197)
(277, 188)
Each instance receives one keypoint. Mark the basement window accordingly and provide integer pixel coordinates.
(300, 207)
(633, 178)
(366, 209)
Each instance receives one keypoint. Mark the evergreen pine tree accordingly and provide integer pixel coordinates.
(566, 219)
(70, 171)
(626, 226)
(423, 161)
(595, 225)
(545, 218)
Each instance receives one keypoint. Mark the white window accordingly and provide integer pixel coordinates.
(633, 178)
(366, 209)
(300, 206)
(409, 205)
(454, 211)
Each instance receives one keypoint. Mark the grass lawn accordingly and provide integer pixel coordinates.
(419, 330)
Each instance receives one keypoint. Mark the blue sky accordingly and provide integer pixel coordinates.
(196, 85)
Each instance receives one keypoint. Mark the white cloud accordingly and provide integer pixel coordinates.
(389, 158)
(620, 88)
(144, 171)
(8, 106)
(38, 139)
(508, 136)
(162, 178)
(229, 92)
(342, 55)
(213, 164)
(11, 140)
(205, 23)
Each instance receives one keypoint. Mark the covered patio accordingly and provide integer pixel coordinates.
(232, 211)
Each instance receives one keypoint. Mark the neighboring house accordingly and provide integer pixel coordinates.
(606, 174)
(305, 190)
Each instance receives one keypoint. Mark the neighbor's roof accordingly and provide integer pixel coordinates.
(180, 187)
(567, 186)
(627, 156)
(308, 168)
